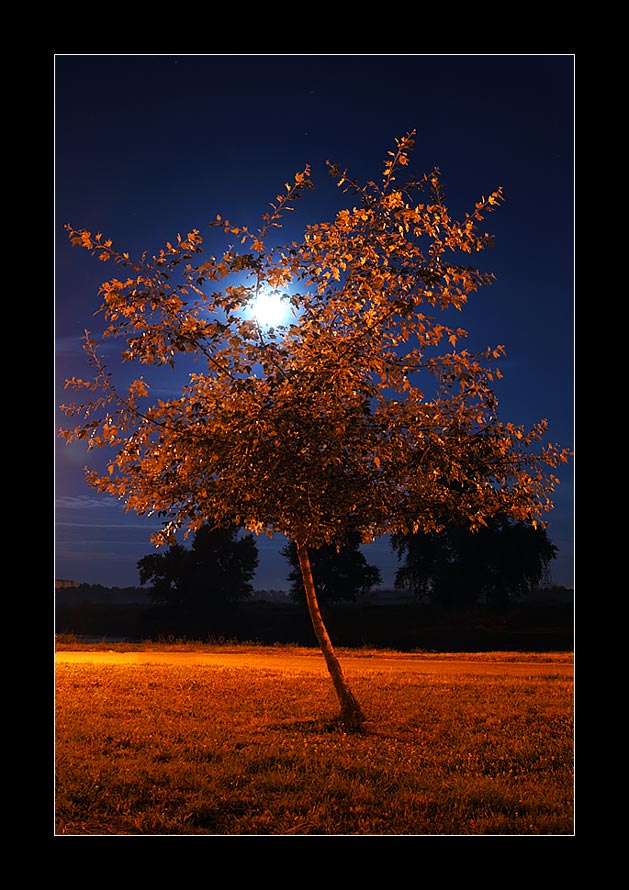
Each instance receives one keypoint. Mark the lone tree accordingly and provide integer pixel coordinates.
(361, 411)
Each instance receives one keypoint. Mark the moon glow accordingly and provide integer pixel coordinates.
(269, 309)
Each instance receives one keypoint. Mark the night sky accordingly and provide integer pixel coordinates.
(149, 146)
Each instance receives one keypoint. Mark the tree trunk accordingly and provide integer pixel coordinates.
(351, 715)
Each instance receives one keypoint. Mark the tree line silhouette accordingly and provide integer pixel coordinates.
(454, 568)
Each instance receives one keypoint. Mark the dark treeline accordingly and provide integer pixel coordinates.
(533, 627)
(463, 592)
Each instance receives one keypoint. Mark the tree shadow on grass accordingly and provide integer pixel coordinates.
(317, 726)
(335, 726)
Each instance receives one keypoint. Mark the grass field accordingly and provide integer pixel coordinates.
(193, 750)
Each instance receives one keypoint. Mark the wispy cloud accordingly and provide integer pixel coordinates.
(68, 345)
(87, 512)
(143, 527)
(71, 344)
(85, 502)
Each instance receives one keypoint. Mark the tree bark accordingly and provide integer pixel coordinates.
(351, 715)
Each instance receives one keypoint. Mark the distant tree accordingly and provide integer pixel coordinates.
(340, 573)
(458, 567)
(216, 571)
(363, 412)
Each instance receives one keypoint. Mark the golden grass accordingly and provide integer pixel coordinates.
(193, 750)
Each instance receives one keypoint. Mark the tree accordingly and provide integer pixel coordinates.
(457, 567)
(340, 573)
(215, 572)
(362, 413)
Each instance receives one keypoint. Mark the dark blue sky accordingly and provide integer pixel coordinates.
(149, 146)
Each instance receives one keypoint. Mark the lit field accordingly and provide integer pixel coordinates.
(188, 749)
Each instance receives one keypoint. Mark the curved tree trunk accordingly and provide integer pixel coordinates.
(351, 715)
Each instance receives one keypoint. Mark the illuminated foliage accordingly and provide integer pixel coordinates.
(364, 412)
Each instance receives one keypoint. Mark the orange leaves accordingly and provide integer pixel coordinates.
(139, 388)
(80, 239)
(488, 204)
(192, 241)
(78, 383)
(83, 238)
(109, 431)
(397, 158)
(393, 200)
(366, 406)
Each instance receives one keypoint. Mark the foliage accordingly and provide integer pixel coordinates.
(365, 412)
(340, 573)
(217, 570)
(456, 567)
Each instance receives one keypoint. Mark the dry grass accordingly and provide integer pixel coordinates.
(172, 750)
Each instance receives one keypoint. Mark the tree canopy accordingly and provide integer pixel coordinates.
(353, 413)
(364, 412)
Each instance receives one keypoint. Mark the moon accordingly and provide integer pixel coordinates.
(269, 309)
